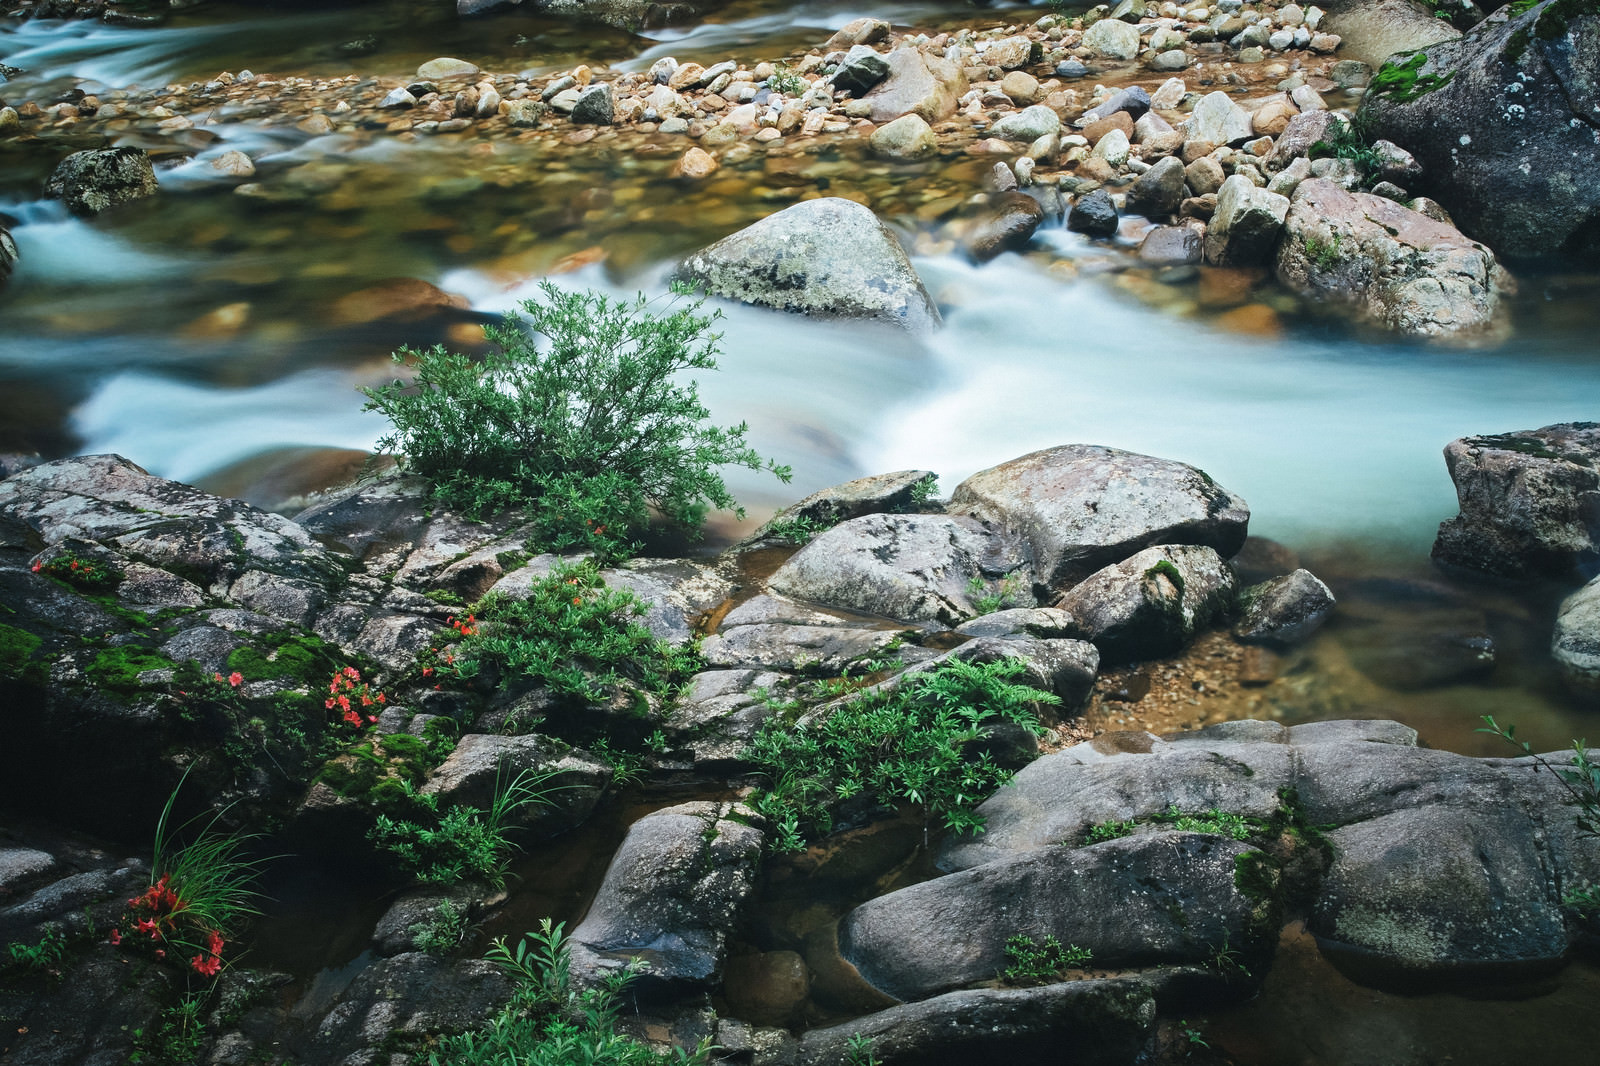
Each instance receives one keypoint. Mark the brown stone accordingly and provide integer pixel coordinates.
(397, 298)
(696, 163)
(1118, 121)
(1228, 286)
(1258, 320)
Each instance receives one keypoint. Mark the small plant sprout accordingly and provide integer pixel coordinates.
(1580, 777)
(1032, 963)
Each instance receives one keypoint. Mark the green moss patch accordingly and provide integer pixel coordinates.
(17, 662)
(118, 669)
(1404, 82)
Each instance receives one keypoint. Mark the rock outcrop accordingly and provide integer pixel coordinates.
(1081, 507)
(1502, 121)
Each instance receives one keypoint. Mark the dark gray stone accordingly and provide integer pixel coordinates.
(1098, 1023)
(1006, 225)
(1159, 190)
(92, 181)
(860, 70)
(1094, 215)
(672, 895)
(596, 106)
(479, 762)
(1138, 901)
(1152, 603)
(1283, 611)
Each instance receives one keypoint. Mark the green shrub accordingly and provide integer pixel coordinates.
(442, 931)
(550, 1022)
(596, 414)
(914, 743)
(49, 951)
(574, 635)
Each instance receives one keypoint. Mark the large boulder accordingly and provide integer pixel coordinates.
(1283, 610)
(1081, 507)
(93, 180)
(1152, 603)
(828, 257)
(1434, 864)
(899, 491)
(671, 896)
(914, 568)
(1162, 898)
(1530, 503)
(1374, 30)
(1396, 267)
(1502, 121)
(918, 83)
(1097, 1023)
(570, 781)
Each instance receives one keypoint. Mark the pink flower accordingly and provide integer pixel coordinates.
(235, 679)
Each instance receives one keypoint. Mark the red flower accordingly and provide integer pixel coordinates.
(116, 936)
(235, 679)
(204, 966)
(37, 567)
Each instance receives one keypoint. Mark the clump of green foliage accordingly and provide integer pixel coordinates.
(787, 81)
(463, 842)
(798, 530)
(178, 1038)
(46, 954)
(916, 743)
(1214, 821)
(1033, 964)
(1009, 591)
(17, 662)
(1324, 254)
(551, 1022)
(859, 1050)
(590, 428)
(1404, 82)
(574, 635)
(442, 931)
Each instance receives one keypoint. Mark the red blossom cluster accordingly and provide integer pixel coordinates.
(154, 915)
(467, 627)
(353, 698)
(235, 679)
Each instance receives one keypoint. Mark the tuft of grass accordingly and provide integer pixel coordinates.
(1032, 964)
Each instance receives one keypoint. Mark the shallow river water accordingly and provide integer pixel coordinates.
(215, 338)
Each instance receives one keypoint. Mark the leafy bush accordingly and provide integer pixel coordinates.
(441, 931)
(595, 414)
(463, 842)
(572, 634)
(549, 1022)
(913, 743)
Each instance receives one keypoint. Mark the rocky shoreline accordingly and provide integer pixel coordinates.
(1409, 865)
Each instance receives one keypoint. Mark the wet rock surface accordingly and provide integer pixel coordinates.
(93, 181)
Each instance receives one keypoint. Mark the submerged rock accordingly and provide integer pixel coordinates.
(1284, 610)
(1530, 503)
(1081, 507)
(1575, 645)
(92, 181)
(1396, 267)
(828, 257)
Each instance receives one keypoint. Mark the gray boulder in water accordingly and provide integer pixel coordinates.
(830, 258)
(91, 181)
(1503, 122)
(8, 256)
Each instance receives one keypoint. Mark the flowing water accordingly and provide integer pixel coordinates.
(221, 339)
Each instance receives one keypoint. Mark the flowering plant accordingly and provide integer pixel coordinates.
(353, 698)
(197, 895)
(81, 573)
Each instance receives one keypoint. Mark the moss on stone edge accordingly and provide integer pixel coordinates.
(17, 647)
(1404, 82)
(119, 669)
